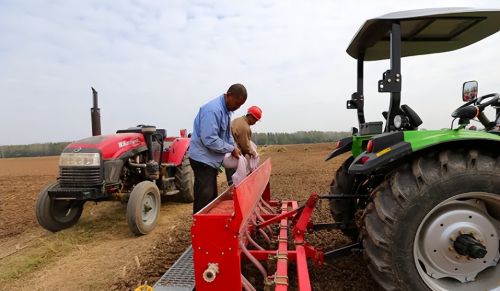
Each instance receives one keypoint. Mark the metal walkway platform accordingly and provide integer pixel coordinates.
(180, 277)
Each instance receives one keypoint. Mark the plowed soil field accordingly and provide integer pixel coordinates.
(100, 253)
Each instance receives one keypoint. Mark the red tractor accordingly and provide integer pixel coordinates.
(136, 165)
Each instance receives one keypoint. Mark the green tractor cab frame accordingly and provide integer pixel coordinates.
(412, 33)
(403, 34)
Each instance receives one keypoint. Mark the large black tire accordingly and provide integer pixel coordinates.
(344, 210)
(184, 181)
(56, 215)
(143, 207)
(418, 212)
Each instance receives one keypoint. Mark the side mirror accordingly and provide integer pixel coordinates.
(469, 91)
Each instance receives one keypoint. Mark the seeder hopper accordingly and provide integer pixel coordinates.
(225, 233)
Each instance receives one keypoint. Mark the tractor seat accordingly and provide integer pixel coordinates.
(138, 129)
(413, 118)
(130, 130)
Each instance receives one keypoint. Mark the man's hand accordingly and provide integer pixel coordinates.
(236, 153)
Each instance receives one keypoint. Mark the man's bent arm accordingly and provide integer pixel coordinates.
(209, 134)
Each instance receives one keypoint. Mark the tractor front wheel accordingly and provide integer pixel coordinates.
(343, 210)
(56, 215)
(143, 207)
(434, 224)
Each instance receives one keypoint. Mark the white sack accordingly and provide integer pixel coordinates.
(230, 162)
(244, 165)
(241, 171)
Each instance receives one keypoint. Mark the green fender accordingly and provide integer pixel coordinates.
(425, 138)
(389, 148)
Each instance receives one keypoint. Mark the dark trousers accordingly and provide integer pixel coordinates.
(229, 175)
(205, 184)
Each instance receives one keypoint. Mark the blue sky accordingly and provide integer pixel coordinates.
(157, 62)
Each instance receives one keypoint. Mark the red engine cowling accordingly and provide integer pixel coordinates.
(111, 146)
(115, 146)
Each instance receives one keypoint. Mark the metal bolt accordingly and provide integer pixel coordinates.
(222, 253)
(397, 80)
(389, 80)
(398, 75)
(206, 253)
(229, 249)
(199, 248)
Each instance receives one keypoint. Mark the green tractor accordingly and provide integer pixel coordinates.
(424, 204)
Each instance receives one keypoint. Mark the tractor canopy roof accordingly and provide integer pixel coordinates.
(424, 31)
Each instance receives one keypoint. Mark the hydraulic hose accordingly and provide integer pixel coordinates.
(267, 205)
(255, 244)
(247, 285)
(136, 165)
(264, 234)
(253, 260)
(269, 229)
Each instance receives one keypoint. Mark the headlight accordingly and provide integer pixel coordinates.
(397, 121)
(80, 159)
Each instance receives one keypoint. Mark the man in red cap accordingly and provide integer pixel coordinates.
(242, 134)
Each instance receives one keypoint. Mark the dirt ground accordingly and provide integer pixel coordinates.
(100, 253)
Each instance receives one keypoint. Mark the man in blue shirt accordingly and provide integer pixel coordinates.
(211, 140)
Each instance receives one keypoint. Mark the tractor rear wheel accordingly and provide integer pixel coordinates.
(143, 207)
(343, 210)
(56, 215)
(184, 181)
(434, 224)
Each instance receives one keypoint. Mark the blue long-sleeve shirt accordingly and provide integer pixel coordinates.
(211, 138)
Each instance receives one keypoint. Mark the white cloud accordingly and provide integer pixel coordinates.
(158, 61)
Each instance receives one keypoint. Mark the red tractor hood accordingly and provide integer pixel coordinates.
(111, 146)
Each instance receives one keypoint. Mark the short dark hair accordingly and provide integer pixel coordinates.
(237, 90)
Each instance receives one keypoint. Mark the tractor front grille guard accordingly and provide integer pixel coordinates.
(75, 177)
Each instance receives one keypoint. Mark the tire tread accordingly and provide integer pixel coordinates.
(402, 190)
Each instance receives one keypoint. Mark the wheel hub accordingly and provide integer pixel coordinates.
(467, 245)
(458, 240)
(149, 209)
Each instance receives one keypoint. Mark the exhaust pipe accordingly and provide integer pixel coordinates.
(95, 115)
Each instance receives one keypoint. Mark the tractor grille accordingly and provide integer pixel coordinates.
(78, 177)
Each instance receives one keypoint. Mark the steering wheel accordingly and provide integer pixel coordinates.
(478, 105)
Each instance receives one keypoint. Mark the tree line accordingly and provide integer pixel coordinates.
(281, 138)
(260, 138)
(32, 150)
